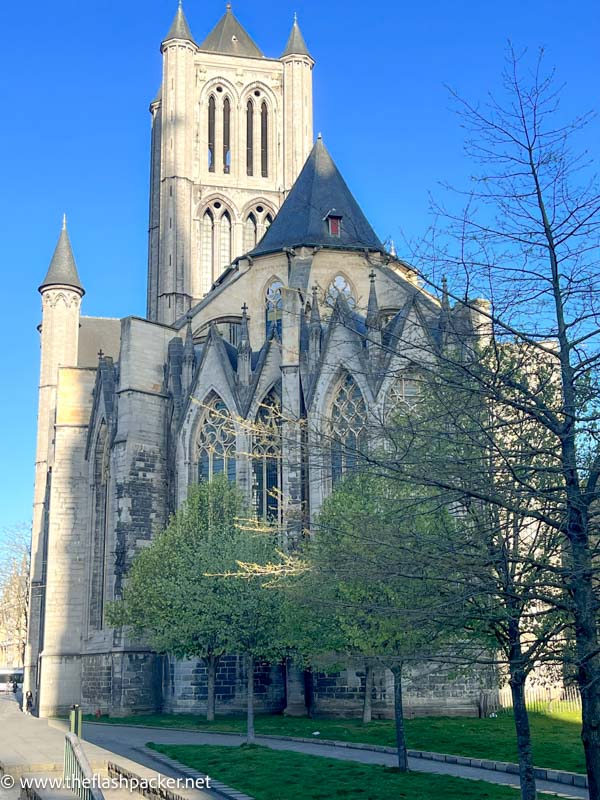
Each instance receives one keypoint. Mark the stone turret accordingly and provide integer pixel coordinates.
(298, 102)
(171, 178)
(61, 292)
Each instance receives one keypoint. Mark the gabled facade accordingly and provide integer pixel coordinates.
(265, 350)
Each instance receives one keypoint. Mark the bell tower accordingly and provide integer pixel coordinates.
(231, 129)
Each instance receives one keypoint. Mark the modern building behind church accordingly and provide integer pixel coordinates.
(277, 328)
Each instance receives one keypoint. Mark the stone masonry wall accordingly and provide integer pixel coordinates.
(121, 683)
(185, 687)
(429, 690)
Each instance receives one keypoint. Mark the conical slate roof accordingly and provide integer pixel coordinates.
(179, 28)
(62, 270)
(230, 38)
(296, 46)
(319, 192)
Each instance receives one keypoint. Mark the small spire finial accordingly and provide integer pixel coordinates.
(64, 227)
(319, 135)
(372, 276)
(100, 355)
(228, 7)
(295, 16)
(245, 309)
(179, 3)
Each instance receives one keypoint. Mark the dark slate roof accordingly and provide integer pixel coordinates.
(230, 38)
(296, 45)
(62, 270)
(179, 28)
(319, 191)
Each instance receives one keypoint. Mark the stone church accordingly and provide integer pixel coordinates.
(278, 327)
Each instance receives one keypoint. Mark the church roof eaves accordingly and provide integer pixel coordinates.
(230, 38)
(318, 192)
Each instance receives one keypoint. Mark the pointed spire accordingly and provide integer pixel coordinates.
(296, 46)
(315, 314)
(63, 270)
(179, 28)
(230, 38)
(189, 353)
(373, 306)
(392, 249)
(445, 297)
(244, 364)
(302, 219)
(244, 343)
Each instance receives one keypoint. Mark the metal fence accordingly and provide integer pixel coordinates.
(544, 699)
(78, 775)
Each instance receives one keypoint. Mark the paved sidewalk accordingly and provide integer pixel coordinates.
(29, 745)
(127, 739)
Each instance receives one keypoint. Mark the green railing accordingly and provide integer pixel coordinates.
(78, 775)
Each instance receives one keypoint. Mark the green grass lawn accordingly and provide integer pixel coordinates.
(275, 774)
(556, 737)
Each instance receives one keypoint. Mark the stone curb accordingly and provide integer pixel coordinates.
(553, 775)
(224, 790)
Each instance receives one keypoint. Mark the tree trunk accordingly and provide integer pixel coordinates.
(588, 668)
(250, 705)
(526, 773)
(368, 700)
(212, 662)
(399, 718)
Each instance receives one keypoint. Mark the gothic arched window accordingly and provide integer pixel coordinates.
(250, 233)
(226, 136)
(250, 138)
(216, 442)
(225, 254)
(339, 285)
(266, 460)
(403, 394)
(348, 428)
(212, 114)
(207, 249)
(264, 140)
(273, 308)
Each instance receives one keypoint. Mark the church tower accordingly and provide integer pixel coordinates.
(231, 130)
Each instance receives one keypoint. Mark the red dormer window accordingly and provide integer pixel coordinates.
(335, 225)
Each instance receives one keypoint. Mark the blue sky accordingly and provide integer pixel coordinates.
(76, 82)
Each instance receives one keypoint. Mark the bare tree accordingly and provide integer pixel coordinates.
(14, 594)
(527, 239)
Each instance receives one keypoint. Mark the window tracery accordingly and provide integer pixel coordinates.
(403, 394)
(216, 442)
(348, 428)
(340, 285)
(266, 460)
(273, 308)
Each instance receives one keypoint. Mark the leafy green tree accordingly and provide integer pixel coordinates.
(354, 574)
(181, 595)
